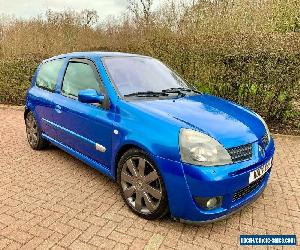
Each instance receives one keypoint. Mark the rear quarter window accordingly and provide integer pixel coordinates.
(48, 74)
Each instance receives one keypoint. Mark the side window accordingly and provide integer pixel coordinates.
(48, 74)
(79, 76)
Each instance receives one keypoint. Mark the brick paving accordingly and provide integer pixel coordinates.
(50, 200)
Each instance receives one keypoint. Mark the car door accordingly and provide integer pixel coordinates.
(41, 95)
(86, 128)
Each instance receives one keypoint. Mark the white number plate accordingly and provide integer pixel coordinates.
(259, 172)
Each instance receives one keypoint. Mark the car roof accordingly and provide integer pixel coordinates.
(92, 54)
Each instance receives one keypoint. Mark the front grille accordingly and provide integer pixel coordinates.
(265, 140)
(242, 192)
(240, 153)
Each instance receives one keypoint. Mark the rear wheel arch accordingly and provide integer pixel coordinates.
(26, 112)
(34, 135)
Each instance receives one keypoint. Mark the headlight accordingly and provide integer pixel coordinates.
(200, 149)
(266, 126)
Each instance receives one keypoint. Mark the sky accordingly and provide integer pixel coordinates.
(31, 8)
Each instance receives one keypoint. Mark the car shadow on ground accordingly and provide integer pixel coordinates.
(114, 193)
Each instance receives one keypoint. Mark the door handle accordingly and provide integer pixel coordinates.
(58, 109)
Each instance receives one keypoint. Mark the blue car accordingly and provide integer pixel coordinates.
(171, 148)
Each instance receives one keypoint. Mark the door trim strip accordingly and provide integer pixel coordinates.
(74, 134)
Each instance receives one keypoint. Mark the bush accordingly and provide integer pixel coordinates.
(266, 83)
(15, 77)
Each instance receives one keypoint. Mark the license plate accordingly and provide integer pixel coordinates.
(259, 172)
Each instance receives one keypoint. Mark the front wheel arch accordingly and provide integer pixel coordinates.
(121, 151)
(119, 155)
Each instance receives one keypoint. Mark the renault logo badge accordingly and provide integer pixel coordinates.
(261, 151)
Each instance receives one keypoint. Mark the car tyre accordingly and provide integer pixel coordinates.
(141, 185)
(34, 135)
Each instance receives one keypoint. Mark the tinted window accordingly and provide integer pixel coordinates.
(48, 74)
(79, 76)
(138, 74)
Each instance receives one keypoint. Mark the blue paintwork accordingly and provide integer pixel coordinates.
(154, 125)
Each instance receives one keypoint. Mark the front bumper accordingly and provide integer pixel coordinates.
(184, 182)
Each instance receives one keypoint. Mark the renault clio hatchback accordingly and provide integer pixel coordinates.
(169, 147)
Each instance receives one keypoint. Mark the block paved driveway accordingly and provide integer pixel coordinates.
(49, 199)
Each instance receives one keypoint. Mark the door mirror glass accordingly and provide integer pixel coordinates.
(90, 96)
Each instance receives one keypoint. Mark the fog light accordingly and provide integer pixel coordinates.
(209, 203)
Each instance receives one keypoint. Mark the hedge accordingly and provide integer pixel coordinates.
(267, 83)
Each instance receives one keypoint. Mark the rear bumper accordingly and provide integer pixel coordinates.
(184, 182)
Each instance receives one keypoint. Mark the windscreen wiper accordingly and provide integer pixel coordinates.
(147, 94)
(180, 91)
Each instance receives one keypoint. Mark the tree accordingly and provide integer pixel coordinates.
(89, 17)
(141, 9)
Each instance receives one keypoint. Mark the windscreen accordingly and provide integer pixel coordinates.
(140, 74)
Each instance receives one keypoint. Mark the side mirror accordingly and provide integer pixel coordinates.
(90, 96)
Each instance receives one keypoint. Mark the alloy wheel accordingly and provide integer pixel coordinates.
(141, 185)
